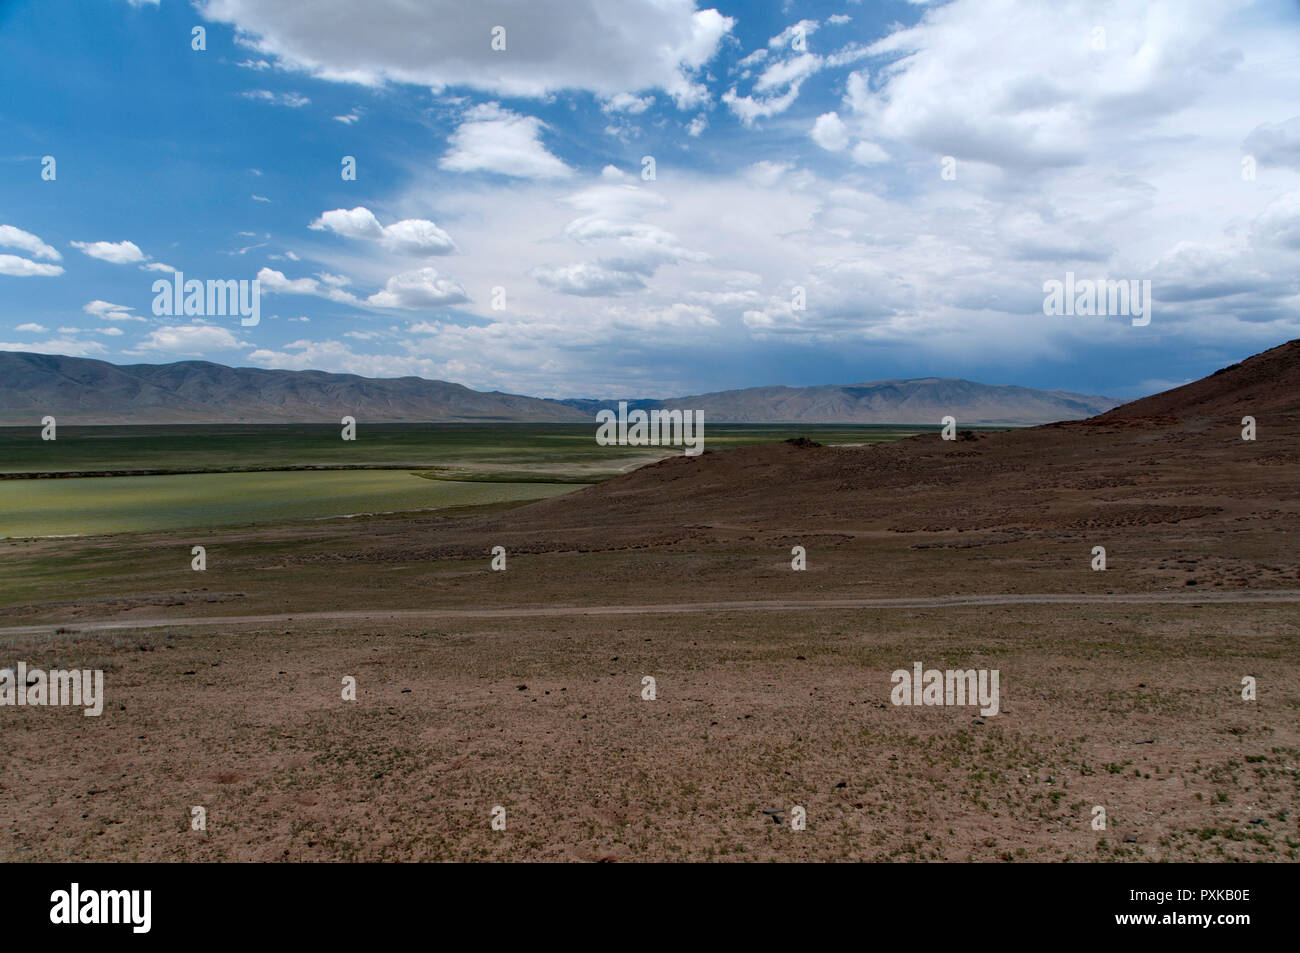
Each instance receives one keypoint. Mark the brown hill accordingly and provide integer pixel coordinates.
(1176, 459)
(1269, 382)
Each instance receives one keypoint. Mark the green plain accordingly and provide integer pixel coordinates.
(115, 479)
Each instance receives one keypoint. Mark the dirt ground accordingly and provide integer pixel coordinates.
(1135, 709)
(497, 689)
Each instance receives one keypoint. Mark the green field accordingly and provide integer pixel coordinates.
(509, 449)
(116, 479)
(94, 505)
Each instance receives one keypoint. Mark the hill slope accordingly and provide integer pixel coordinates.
(1167, 459)
(1269, 382)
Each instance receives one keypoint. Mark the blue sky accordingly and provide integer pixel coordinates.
(796, 146)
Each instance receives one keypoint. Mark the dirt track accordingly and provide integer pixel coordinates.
(775, 605)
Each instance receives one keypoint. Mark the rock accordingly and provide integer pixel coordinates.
(1130, 838)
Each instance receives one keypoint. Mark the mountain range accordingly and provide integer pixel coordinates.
(84, 391)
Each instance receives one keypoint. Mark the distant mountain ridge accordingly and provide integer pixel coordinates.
(921, 400)
(85, 391)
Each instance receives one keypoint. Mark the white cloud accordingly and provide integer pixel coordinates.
(787, 74)
(289, 100)
(784, 38)
(110, 312)
(551, 45)
(829, 132)
(493, 139)
(412, 236)
(11, 237)
(30, 328)
(275, 282)
(588, 279)
(70, 346)
(422, 288)
(26, 268)
(628, 103)
(1137, 176)
(117, 253)
(190, 339)
(1275, 143)
(868, 153)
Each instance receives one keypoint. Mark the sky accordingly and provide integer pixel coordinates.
(654, 198)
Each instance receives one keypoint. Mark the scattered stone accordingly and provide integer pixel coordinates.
(1130, 838)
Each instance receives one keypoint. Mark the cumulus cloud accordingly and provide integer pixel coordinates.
(117, 253)
(493, 139)
(411, 236)
(422, 288)
(551, 45)
(190, 340)
(275, 282)
(614, 219)
(26, 268)
(588, 279)
(829, 132)
(868, 153)
(1042, 94)
(11, 237)
(628, 103)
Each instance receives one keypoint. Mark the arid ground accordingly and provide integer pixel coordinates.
(1120, 689)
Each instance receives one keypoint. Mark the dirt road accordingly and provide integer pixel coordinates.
(776, 605)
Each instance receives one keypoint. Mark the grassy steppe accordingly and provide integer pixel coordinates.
(499, 449)
(89, 505)
(139, 479)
